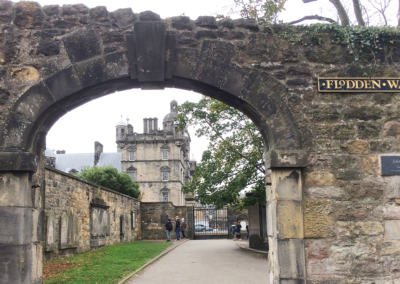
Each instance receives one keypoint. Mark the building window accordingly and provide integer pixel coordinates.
(131, 156)
(122, 131)
(133, 175)
(165, 196)
(165, 155)
(164, 176)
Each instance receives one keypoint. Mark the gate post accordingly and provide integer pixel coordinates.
(21, 219)
(189, 215)
(285, 218)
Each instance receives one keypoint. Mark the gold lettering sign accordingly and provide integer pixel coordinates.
(359, 85)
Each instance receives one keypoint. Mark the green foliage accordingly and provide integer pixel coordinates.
(364, 43)
(263, 11)
(110, 177)
(234, 159)
(107, 265)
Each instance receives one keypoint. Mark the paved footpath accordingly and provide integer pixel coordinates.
(205, 261)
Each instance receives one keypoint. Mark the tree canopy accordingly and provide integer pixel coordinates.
(109, 177)
(234, 160)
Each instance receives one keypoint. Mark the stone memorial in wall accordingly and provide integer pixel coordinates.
(100, 222)
(133, 220)
(75, 231)
(64, 231)
(50, 232)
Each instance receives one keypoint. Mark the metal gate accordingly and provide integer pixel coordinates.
(210, 223)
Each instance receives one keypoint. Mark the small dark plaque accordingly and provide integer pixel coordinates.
(164, 218)
(390, 165)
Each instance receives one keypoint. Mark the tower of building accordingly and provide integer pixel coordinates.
(158, 159)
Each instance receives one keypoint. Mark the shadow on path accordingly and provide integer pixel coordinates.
(205, 261)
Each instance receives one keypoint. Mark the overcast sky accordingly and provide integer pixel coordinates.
(95, 121)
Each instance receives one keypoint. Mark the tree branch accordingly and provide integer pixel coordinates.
(357, 11)
(344, 18)
(315, 17)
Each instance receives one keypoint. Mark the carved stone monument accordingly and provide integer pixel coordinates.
(64, 231)
(50, 232)
(100, 222)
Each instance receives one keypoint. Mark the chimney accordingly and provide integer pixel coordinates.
(150, 120)
(98, 150)
(144, 125)
(155, 123)
(130, 129)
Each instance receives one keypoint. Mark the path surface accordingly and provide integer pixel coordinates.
(206, 261)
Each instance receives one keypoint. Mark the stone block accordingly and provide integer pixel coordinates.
(250, 24)
(271, 218)
(21, 260)
(318, 219)
(150, 50)
(391, 129)
(370, 165)
(291, 262)
(82, 45)
(347, 210)
(289, 219)
(16, 225)
(15, 184)
(287, 184)
(91, 72)
(34, 102)
(181, 23)
(286, 159)
(389, 248)
(320, 178)
(117, 65)
(149, 16)
(325, 192)
(28, 15)
(63, 83)
(392, 229)
(206, 21)
(387, 212)
(356, 229)
(356, 147)
(123, 18)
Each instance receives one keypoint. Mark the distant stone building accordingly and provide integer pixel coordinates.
(158, 159)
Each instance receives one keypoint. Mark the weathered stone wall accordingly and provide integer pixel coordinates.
(53, 59)
(154, 213)
(67, 195)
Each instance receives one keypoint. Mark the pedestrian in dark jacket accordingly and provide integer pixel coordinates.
(168, 229)
(247, 229)
(233, 230)
(177, 228)
(238, 231)
(183, 225)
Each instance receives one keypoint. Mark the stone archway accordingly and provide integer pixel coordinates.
(54, 59)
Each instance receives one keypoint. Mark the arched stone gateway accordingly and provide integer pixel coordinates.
(339, 223)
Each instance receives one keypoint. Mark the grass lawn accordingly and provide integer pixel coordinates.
(107, 265)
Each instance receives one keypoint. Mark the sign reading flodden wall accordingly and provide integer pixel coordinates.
(359, 85)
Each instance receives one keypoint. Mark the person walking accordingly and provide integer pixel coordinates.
(168, 229)
(177, 228)
(238, 231)
(233, 230)
(183, 227)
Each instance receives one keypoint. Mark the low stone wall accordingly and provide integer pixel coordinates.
(154, 216)
(81, 216)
